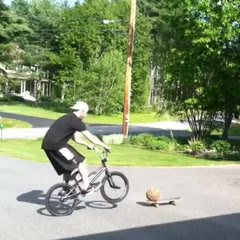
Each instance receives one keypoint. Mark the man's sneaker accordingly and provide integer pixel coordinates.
(93, 187)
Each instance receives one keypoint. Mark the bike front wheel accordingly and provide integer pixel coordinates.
(115, 187)
(60, 200)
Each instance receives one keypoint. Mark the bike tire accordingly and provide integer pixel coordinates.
(49, 203)
(106, 182)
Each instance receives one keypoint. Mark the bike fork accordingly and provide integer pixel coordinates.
(110, 180)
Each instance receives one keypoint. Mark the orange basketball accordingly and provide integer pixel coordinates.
(153, 194)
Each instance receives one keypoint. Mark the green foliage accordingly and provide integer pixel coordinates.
(196, 52)
(12, 27)
(152, 142)
(143, 139)
(4, 99)
(11, 98)
(105, 91)
(196, 146)
(158, 145)
(141, 63)
(190, 47)
(234, 156)
(221, 147)
(183, 148)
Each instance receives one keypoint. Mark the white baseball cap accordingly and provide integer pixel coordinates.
(80, 105)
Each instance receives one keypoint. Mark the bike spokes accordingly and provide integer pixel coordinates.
(112, 183)
(61, 200)
(115, 187)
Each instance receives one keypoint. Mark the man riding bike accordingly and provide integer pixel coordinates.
(61, 154)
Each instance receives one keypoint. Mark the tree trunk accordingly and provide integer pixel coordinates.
(228, 116)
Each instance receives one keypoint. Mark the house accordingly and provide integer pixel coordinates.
(26, 81)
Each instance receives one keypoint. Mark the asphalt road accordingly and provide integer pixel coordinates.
(210, 208)
(36, 122)
(104, 129)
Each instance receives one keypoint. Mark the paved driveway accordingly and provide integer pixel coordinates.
(41, 125)
(210, 208)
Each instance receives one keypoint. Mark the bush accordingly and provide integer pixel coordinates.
(16, 98)
(11, 98)
(45, 99)
(165, 139)
(183, 148)
(234, 156)
(4, 99)
(158, 145)
(143, 139)
(152, 142)
(196, 146)
(221, 147)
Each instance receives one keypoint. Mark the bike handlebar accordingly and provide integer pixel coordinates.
(102, 154)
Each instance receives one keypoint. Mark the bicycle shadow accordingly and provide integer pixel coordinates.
(38, 197)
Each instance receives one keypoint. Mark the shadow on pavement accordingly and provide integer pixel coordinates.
(38, 197)
(225, 227)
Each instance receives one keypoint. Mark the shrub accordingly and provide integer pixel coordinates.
(45, 99)
(234, 156)
(4, 99)
(196, 146)
(9, 98)
(152, 142)
(183, 148)
(158, 145)
(221, 147)
(143, 139)
(165, 139)
(16, 98)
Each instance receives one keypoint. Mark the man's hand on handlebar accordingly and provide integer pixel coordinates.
(107, 148)
(91, 147)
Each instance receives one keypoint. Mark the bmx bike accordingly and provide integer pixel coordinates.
(62, 199)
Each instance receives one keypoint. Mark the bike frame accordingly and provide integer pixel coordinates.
(97, 172)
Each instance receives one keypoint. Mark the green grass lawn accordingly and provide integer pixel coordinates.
(26, 109)
(121, 155)
(13, 123)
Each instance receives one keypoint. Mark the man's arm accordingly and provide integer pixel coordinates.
(92, 138)
(81, 139)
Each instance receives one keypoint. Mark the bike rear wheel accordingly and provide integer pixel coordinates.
(115, 187)
(60, 200)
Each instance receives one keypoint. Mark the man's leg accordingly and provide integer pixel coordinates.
(87, 188)
(66, 177)
(84, 174)
(77, 159)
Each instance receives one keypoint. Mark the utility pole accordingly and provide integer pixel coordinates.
(127, 94)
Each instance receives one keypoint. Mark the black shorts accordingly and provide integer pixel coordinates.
(64, 160)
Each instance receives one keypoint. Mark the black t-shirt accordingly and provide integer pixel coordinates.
(61, 131)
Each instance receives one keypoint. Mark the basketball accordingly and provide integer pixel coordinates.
(153, 194)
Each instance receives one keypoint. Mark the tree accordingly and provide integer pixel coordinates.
(12, 27)
(105, 90)
(198, 61)
(41, 47)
